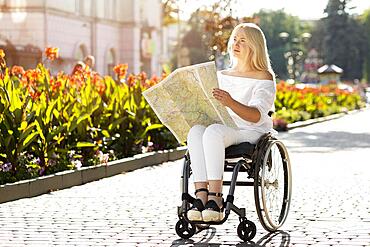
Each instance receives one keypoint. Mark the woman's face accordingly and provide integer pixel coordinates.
(240, 47)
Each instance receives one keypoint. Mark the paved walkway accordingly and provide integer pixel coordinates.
(330, 202)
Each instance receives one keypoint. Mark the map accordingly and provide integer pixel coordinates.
(184, 99)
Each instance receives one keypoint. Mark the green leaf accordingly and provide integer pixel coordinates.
(105, 133)
(154, 126)
(29, 140)
(39, 129)
(83, 117)
(85, 144)
(27, 131)
(23, 126)
(48, 112)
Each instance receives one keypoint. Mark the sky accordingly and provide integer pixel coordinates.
(306, 10)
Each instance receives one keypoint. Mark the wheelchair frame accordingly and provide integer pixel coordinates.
(255, 161)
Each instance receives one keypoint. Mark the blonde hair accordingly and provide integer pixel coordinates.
(259, 58)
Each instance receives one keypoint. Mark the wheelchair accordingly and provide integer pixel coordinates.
(268, 169)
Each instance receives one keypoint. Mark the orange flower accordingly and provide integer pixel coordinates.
(149, 83)
(52, 52)
(155, 79)
(76, 81)
(142, 76)
(164, 75)
(121, 70)
(24, 82)
(17, 71)
(55, 84)
(96, 78)
(2, 53)
(33, 75)
(100, 87)
(131, 80)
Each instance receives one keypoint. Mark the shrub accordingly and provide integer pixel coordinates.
(50, 123)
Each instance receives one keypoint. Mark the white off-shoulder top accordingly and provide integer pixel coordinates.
(251, 92)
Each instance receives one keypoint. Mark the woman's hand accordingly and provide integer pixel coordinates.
(222, 96)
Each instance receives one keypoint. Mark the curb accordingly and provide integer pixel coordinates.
(69, 178)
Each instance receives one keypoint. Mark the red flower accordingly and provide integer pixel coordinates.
(52, 52)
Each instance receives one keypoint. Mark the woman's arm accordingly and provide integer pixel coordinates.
(247, 113)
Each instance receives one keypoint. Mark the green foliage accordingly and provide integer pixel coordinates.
(275, 22)
(341, 40)
(53, 123)
(365, 19)
(296, 103)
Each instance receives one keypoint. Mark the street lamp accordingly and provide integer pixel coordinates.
(293, 52)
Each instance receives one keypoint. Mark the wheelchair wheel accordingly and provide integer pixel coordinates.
(185, 229)
(273, 185)
(246, 230)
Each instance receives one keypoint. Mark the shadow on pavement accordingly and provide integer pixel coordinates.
(329, 141)
(276, 237)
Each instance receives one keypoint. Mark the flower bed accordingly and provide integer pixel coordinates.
(50, 123)
(302, 102)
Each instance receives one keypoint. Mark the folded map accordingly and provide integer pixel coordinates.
(184, 99)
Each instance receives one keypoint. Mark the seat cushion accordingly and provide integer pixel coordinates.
(244, 149)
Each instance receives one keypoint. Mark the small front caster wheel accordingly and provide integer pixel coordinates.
(246, 230)
(185, 229)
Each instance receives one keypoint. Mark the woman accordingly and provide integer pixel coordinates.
(247, 89)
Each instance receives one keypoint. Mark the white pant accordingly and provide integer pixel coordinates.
(207, 148)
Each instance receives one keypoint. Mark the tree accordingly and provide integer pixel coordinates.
(209, 34)
(273, 23)
(344, 41)
(365, 18)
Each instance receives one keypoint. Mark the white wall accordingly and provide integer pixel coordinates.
(29, 30)
(72, 27)
(107, 37)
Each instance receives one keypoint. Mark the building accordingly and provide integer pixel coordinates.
(113, 31)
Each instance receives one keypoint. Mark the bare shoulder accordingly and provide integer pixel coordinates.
(263, 75)
(258, 75)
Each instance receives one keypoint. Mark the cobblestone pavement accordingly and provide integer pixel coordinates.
(330, 202)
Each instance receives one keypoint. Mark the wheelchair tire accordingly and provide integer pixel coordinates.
(273, 185)
(185, 229)
(246, 230)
